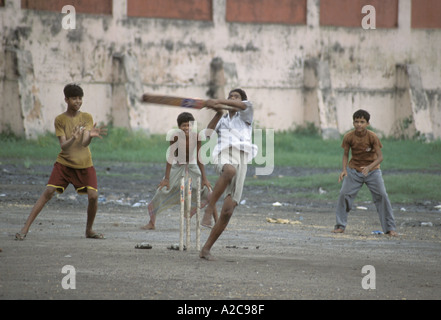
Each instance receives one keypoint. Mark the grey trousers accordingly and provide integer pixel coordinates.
(352, 183)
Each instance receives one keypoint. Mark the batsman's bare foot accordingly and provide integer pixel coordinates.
(338, 230)
(94, 235)
(20, 236)
(392, 233)
(205, 254)
(148, 226)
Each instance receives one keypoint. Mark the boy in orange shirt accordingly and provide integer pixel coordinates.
(75, 130)
(364, 167)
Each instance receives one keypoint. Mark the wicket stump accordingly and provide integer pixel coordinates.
(186, 194)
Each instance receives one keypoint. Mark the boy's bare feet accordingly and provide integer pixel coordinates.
(338, 230)
(149, 226)
(20, 236)
(392, 233)
(94, 235)
(205, 254)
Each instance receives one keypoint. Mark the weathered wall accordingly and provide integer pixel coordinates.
(131, 46)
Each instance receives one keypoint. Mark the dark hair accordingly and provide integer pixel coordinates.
(242, 93)
(185, 117)
(361, 114)
(73, 90)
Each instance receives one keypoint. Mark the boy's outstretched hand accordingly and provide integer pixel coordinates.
(97, 132)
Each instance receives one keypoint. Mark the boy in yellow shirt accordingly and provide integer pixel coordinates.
(75, 130)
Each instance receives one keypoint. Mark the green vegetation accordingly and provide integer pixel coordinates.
(119, 145)
(411, 168)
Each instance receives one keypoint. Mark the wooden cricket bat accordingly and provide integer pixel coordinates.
(178, 101)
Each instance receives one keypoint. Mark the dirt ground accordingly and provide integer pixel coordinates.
(257, 259)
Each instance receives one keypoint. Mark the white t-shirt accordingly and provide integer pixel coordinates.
(236, 132)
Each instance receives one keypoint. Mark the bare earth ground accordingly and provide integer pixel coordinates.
(257, 259)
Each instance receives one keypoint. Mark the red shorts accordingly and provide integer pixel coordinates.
(82, 179)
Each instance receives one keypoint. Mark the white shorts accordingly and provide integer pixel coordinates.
(237, 159)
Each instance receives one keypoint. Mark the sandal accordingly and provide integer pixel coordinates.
(338, 230)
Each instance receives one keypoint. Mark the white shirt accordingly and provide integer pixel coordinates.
(236, 132)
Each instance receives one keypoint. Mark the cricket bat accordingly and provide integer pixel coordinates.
(178, 101)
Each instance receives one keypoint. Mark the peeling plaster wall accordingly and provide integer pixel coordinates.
(174, 57)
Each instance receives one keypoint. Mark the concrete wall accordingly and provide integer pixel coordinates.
(299, 61)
